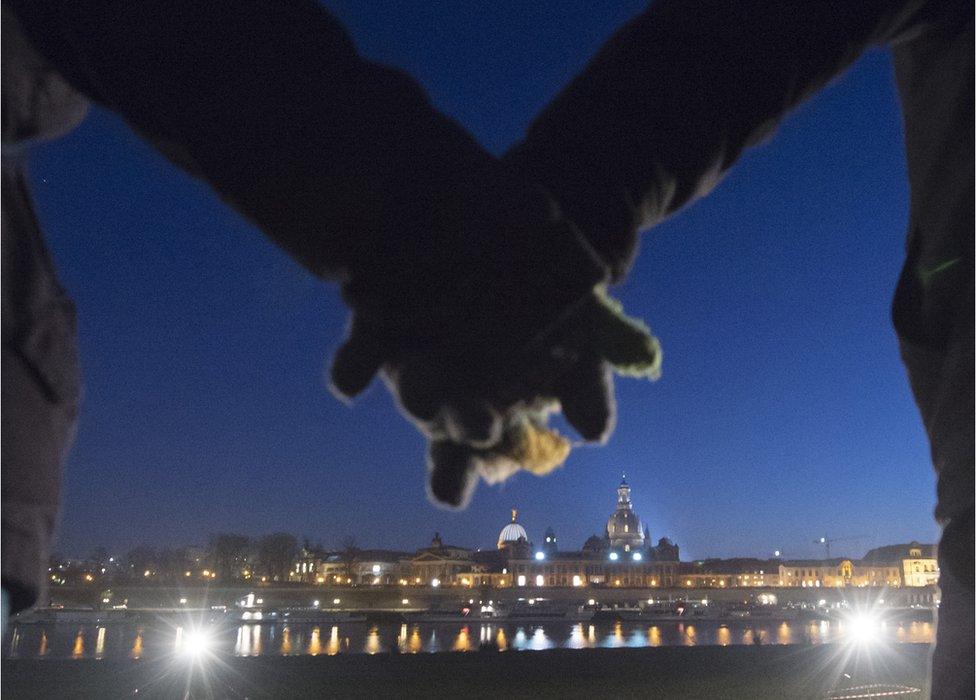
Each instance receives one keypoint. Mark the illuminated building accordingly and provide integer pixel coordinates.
(623, 557)
(512, 534)
(549, 541)
(916, 563)
(439, 561)
(624, 530)
(309, 565)
(377, 567)
(836, 573)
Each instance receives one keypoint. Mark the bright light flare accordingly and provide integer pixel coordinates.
(195, 644)
(863, 628)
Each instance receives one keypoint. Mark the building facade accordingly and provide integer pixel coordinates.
(624, 557)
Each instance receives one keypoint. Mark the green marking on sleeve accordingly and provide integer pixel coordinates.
(928, 275)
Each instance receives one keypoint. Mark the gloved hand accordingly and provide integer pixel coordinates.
(570, 367)
(450, 349)
(484, 310)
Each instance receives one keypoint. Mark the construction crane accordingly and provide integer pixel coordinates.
(827, 541)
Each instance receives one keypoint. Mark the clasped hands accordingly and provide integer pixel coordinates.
(484, 310)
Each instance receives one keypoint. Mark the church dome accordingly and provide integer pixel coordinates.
(624, 528)
(512, 533)
(624, 524)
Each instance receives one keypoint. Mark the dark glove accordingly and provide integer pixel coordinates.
(484, 314)
(450, 301)
(570, 367)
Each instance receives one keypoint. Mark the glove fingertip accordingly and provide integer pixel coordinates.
(587, 401)
(355, 364)
(451, 474)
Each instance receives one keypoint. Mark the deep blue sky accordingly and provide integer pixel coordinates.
(783, 412)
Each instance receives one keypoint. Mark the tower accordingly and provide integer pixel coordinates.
(549, 541)
(624, 528)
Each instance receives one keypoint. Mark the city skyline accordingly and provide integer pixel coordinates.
(625, 556)
(783, 412)
(339, 542)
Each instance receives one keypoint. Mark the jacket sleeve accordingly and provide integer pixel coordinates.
(670, 102)
(268, 101)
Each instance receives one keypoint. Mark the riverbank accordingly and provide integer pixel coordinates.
(675, 672)
(412, 599)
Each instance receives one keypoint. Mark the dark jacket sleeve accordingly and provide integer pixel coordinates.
(268, 101)
(670, 102)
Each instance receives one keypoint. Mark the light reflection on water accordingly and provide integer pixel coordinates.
(78, 651)
(315, 642)
(100, 643)
(333, 647)
(136, 651)
(462, 642)
(132, 640)
(373, 640)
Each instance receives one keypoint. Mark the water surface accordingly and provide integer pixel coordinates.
(166, 636)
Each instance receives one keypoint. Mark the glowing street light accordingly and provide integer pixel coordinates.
(637, 556)
(539, 556)
(614, 556)
(863, 628)
(195, 643)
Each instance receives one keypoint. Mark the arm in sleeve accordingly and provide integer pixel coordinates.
(671, 101)
(268, 101)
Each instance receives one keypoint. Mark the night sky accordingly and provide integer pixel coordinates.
(783, 412)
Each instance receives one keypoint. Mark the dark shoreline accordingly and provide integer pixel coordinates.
(776, 671)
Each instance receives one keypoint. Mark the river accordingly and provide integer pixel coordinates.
(169, 635)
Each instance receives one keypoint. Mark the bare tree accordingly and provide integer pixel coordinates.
(276, 553)
(350, 555)
(230, 554)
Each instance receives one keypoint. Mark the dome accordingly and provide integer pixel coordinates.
(624, 524)
(512, 533)
(624, 528)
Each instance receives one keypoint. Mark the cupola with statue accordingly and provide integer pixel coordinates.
(624, 529)
(512, 533)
